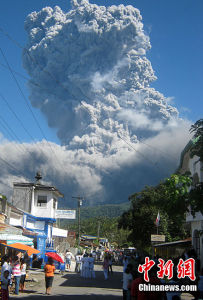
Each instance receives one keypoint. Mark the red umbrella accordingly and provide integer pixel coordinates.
(55, 256)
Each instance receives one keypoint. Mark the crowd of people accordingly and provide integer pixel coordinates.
(13, 272)
(84, 263)
(13, 275)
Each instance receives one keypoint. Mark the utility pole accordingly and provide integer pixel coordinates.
(80, 199)
(98, 229)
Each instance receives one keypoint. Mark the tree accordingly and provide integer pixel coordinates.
(170, 198)
(108, 229)
(140, 218)
(197, 147)
(196, 192)
(195, 199)
(175, 195)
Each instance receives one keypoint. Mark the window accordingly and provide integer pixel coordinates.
(42, 201)
(54, 203)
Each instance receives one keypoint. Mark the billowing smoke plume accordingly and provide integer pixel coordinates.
(90, 77)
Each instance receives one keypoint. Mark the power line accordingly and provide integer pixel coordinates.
(14, 136)
(8, 164)
(161, 151)
(20, 122)
(15, 115)
(17, 73)
(141, 154)
(30, 81)
(26, 102)
(22, 94)
(10, 132)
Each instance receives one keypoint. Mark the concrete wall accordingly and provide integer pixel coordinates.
(196, 169)
(22, 198)
(44, 212)
(196, 229)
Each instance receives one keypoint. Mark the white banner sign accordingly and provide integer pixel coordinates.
(65, 214)
(157, 238)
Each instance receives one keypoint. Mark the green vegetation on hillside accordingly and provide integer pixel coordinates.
(107, 210)
(101, 221)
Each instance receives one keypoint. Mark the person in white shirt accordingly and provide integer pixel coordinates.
(78, 259)
(6, 266)
(23, 267)
(68, 257)
(127, 279)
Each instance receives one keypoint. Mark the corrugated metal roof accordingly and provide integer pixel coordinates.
(174, 243)
(8, 229)
(10, 234)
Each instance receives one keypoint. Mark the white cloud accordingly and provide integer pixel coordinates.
(92, 82)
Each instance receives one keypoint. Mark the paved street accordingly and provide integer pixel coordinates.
(72, 286)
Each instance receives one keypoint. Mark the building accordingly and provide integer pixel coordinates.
(35, 198)
(89, 240)
(195, 167)
(172, 249)
(36, 206)
(10, 234)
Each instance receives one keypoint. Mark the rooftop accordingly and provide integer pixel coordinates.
(38, 186)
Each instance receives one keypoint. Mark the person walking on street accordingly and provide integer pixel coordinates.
(91, 266)
(85, 266)
(78, 258)
(68, 257)
(106, 266)
(110, 263)
(16, 271)
(125, 263)
(23, 275)
(4, 285)
(49, 269)
(127, 280)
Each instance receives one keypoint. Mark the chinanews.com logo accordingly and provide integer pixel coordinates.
(184, 269)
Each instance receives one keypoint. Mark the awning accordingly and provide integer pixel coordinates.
(23, 248)
(8, 246)
(26, 248)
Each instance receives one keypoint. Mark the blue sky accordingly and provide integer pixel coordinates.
(175, 30)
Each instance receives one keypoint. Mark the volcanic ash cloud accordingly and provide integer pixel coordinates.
(90, 77)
